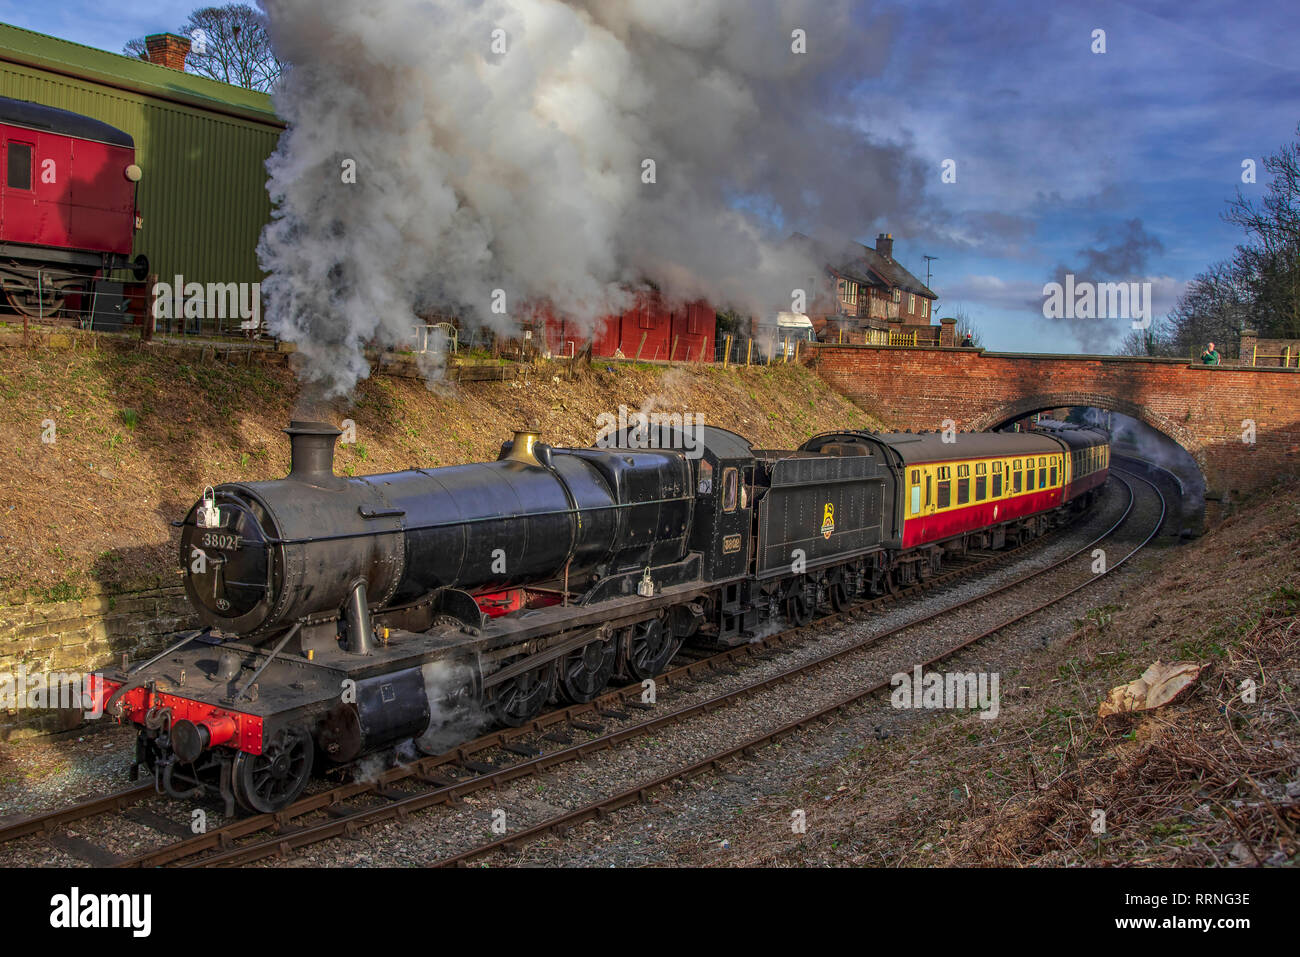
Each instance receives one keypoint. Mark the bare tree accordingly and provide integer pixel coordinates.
(229, 44)
(965, 326)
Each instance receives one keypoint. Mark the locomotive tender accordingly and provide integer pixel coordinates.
(344, 616)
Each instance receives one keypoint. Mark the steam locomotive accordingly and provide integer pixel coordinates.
(343, 616)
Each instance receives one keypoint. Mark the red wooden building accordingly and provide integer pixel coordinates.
(648, 330)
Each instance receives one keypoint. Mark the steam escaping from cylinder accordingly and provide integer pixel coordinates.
(479, 160)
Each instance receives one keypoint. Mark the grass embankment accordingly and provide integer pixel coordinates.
(138, 435)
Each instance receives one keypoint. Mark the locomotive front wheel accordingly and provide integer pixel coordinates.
(650, 647)
(520, 699)
(585, 672)
(271, 781)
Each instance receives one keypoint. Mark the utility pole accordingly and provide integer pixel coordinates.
(928, 260)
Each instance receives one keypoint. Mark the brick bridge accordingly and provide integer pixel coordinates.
(1202, 409)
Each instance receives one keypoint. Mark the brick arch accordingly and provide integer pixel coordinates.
(1028, 405)
(1204, 410)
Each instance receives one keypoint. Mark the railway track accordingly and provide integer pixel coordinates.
(397, 792)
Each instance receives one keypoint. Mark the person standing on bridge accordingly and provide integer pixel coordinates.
(968, 342)
(1210, 356)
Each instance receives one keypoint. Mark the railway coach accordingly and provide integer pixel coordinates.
(976, 489)
(67, 205)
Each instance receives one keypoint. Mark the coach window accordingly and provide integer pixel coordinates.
(1015, 476)
(963, 484)
(1042, 471)
(944, 488)
(997, 479)
(730, 489)
(981, 482)
(20, 166)
(1055, 467)
(929, 489)
(916, 491)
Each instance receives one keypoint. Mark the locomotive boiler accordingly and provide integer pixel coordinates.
(316, 546)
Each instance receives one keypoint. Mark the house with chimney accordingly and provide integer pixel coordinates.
(868, 296)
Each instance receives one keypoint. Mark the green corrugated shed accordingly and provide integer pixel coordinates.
(202, 145)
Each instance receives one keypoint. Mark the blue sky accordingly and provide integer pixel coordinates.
(1111, 166)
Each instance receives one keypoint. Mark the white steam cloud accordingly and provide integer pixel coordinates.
(502, 145)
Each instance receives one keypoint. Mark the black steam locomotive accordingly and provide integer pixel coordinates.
(342, 616)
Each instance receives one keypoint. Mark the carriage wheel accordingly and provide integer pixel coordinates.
(268, 782)
(649, 649)
(26, 301)
(797, 609)
(518, 700)
(839, 592)
(585, 672)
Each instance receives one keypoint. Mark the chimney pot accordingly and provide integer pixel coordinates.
(167, 49)
(311, 451)
(885, 245)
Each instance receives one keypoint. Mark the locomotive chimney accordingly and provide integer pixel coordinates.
(311, 453)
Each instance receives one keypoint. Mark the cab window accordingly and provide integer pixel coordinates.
(730, 489)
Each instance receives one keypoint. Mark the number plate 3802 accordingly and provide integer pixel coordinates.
(221, 541)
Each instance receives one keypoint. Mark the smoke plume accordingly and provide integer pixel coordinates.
(475, 158)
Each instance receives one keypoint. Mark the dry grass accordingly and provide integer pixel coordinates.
(139, 435)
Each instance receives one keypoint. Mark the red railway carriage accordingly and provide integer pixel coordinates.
(67, 204)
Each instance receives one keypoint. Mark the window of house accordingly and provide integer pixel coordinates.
(849, 291)
(20, 166)
(898, 295)
(925, 308)
(730, 489)
(911, 304)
